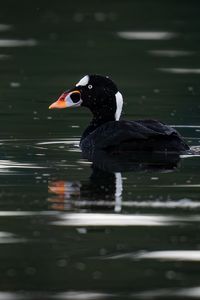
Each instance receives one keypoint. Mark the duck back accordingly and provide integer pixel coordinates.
(140, 135)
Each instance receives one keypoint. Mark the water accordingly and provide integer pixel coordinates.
(111, 229)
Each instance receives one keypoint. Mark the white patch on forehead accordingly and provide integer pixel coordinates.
(119, 104)
(83, 81)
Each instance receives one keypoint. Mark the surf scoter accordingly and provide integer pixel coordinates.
(106, 131)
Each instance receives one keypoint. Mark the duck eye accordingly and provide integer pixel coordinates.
(90, 86)
(76, 97)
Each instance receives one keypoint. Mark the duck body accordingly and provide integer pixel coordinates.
(140, 135)
(106, 131)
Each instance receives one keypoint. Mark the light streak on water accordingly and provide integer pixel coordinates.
(17, 43)
(146, 35)
(173, 255)
(4, 56)
(81, 295)
(27, 213)
(9, 164)
(96, 219)
(170, 53)
(180, 70)
(9, 238)
(177, 255)
(182, 204)
(5, 27)
(67, 142)
(181, 293)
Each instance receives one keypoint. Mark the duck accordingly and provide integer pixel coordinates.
(106, 131)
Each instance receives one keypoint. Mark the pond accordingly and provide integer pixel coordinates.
(72, 229)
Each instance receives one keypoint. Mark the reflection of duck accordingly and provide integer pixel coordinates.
(61, 191)
(132, 161)
(103, 190)
(105, 131)
(102, 186)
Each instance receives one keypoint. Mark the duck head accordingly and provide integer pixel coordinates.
(98, 93)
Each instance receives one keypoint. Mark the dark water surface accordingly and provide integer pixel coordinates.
(70, 229)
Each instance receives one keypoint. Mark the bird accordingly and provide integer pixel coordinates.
(106, 131)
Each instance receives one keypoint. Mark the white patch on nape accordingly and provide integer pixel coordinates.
(119, 104)
(83, 81)
(118, 192)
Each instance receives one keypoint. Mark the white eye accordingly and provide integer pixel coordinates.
(90, 86)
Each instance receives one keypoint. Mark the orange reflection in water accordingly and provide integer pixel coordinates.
(62, 191)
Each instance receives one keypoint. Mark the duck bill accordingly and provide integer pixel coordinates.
(58, 104)
(65, 100)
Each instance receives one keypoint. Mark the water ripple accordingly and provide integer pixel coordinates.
(170, 53)
(177, 255)
(68, 142)
(186, 126)
(9, 238)
(146, 35)
(180, 70)
(11, 296)
(81, 295)
(192, 292)
(9, 164)
(18, 43)
(95, 219)
(101, 219)
(5, 27)
(174, 255)
(182, 204)
(27, 213)
(4, 56)
(72, 295)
